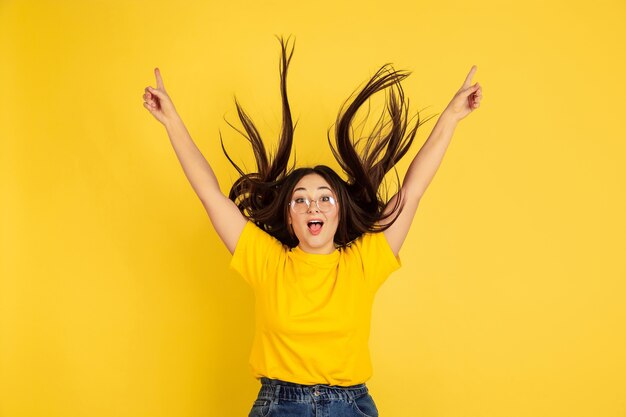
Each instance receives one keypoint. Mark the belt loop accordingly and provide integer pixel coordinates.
(349, 393)
(276, 391)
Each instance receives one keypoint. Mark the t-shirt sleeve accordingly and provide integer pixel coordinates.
(377, 258)
(256, 253)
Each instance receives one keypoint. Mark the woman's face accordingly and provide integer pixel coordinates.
(314, 229)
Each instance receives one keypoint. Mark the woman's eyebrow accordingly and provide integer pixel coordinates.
(304, 189)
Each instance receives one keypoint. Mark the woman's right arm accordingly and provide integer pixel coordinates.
(224, 214)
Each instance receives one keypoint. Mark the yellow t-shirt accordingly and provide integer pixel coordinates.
(312, 311)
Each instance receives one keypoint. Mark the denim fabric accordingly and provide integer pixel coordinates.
(287, 399)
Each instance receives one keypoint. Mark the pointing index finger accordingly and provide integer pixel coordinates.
(468, 79)
(159, 80)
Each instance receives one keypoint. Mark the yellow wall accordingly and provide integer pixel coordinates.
(115, 293)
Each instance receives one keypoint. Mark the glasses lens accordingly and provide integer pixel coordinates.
(325, 203)
(300, 205)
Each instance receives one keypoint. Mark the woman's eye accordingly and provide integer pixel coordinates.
(325, 198)
(299, 200)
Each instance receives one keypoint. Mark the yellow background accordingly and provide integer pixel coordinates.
(115, 293)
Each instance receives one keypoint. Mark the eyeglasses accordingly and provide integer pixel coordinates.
(301, 205)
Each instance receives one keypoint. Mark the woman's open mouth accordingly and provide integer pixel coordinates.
(315, 226)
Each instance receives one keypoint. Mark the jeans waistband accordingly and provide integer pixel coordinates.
(291, 391)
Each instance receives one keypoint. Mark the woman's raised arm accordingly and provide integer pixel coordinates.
(427, 161)
(224, 214)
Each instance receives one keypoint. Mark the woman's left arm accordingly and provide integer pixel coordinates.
(427, 161)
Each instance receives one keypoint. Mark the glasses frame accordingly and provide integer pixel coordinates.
(309, 202)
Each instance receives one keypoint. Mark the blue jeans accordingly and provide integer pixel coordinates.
(287, 399)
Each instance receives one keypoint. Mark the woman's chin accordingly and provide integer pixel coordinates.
(313, 245)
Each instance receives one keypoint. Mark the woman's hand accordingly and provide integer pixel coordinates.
(465, 100)
(158, 102)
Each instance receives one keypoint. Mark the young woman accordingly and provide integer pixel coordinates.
(314, 247)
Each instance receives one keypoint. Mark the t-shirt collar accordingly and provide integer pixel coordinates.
(316, 258)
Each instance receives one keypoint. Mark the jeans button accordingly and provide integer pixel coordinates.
(316, 393)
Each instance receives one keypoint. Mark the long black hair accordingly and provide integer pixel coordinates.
(263, 196)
